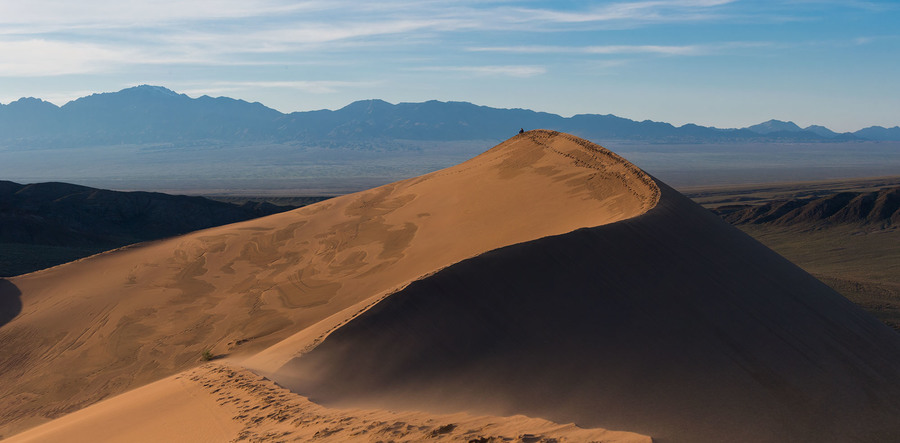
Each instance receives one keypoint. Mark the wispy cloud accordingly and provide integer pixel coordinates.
(311, 86)
(607, 49)
(41, 57)
(58, 37)
(866, 5)
(47, 58)
(503, 71)
(629, 13)
(286, 38)
(38, 57)
(874, 39)
(664, 50)
(130, 13)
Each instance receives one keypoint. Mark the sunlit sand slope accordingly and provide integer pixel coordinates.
(672, 324)
(103, 325)
(220, 403)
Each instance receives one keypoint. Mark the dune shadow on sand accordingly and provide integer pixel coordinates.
(10, 303)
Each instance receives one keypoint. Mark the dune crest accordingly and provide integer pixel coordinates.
(126, 318)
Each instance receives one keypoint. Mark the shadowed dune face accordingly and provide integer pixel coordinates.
(128, 317)
(672, 324)
(10, 305)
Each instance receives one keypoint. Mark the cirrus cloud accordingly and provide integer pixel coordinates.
(502, 71)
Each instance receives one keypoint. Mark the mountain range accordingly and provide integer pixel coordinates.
(153, 114)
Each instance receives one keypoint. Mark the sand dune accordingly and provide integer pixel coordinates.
(547, 278)
(109, 323)
(672, 324)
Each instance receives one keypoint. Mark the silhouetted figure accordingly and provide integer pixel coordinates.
(522, 130)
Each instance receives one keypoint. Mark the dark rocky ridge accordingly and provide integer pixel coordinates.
(71, 221)
(879, 209)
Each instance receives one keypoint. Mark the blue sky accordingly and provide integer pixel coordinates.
(710, 62)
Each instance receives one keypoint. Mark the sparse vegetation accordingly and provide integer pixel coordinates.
(860, 265)
(207, 355)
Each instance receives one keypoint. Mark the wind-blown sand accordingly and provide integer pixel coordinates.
(550, 278)
(221, 403)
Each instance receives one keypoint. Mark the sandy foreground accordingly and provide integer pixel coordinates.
(546, 278)
(220, 402)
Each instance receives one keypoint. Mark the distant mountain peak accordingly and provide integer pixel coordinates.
(30, 105)
(773, 125)
(134, 94)
(152, 89)
(368, 102)
(366, 106)
(879, 133)
(821, 130)
(28, 100)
